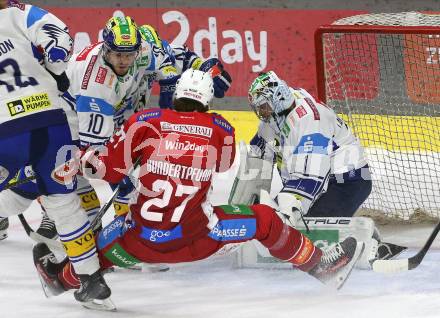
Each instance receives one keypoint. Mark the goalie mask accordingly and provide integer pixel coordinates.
(270, 97)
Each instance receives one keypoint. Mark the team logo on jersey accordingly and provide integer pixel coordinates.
(100, 75)
(56, 52)
(29, 104)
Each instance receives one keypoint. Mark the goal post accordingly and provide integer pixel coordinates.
(381, 72)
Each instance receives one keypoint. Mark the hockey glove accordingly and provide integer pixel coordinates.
(90, 164)
(167, 88)
(62, 80)
(125, 187)
(290, 209)
(222, 80)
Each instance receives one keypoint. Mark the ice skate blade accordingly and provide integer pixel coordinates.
(101, 305)
(338, 281)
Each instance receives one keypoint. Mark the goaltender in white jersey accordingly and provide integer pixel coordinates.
(322, 165)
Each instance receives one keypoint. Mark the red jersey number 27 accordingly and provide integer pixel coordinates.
(168, 191)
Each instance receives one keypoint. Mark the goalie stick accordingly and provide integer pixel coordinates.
(399, 265)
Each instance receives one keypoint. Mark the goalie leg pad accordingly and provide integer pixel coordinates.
(324, 232)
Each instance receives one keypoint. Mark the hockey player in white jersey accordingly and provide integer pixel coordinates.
(321, 163)
(105, 77)
(34, 129)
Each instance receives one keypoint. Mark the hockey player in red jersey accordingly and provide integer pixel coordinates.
(172, 219)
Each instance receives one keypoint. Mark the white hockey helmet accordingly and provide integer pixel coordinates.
(195, 85)
(269, 96)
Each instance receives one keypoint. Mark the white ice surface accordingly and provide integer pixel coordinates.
(213, 288)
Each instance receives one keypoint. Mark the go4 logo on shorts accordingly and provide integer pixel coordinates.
(161, 236)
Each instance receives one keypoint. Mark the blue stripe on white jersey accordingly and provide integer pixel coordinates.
(35, 14)
(94, 104)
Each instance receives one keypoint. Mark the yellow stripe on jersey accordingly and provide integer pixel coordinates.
(120, 208)
(89, 200)
(80, 245)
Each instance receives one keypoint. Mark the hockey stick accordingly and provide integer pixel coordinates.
(56, 245)
(399, 265)
(52, 244)
(18, 182)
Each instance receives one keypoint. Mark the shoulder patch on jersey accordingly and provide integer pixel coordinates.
(300, 111)
(313, 143)
(86, 78)
(222, 123)
(100, 76)
(83, 54)
(35, 14)
(147, 115)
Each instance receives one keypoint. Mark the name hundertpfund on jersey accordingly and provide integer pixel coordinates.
(178, 171)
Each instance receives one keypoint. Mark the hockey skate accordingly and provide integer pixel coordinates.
(94, 292)
(337, 263)
(4, 224)
(47, 227)
(48, 269)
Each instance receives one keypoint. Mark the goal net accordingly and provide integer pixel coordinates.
(382, 73)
